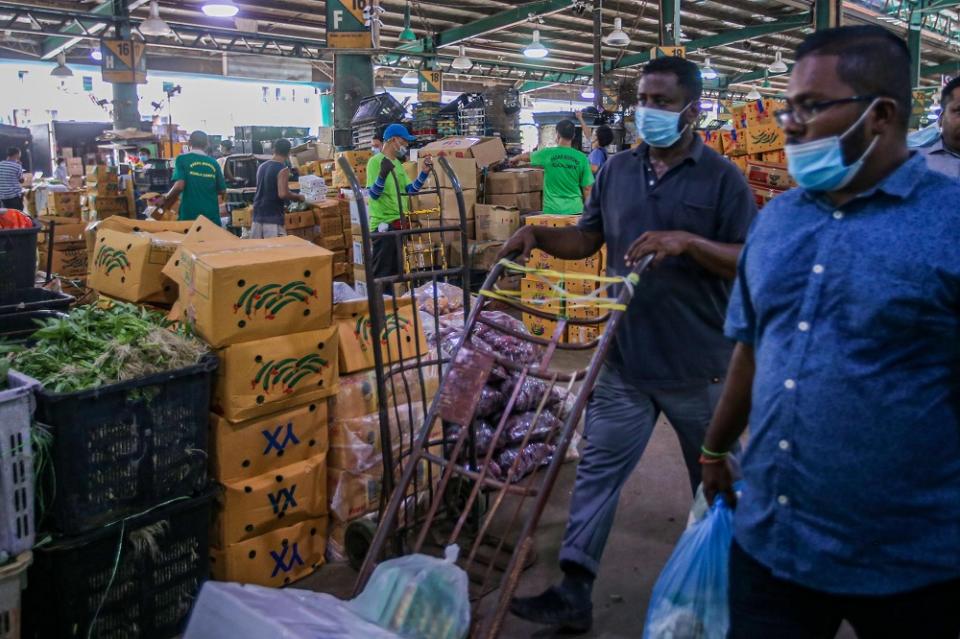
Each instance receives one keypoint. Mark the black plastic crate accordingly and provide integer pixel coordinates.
(33, 299)
(18, 327)
(18, 258)
(123, 448)
(145, 594)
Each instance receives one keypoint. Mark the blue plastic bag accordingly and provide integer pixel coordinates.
(690, 599)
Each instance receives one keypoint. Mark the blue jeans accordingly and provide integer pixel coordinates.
(762, 605)
(619, 422)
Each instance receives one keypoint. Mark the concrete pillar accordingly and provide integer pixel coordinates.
(326, 110)
(353, 81)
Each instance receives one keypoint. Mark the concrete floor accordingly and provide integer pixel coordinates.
(652, 515)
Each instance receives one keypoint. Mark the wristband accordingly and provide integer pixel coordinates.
(709, 453)
(704, 460)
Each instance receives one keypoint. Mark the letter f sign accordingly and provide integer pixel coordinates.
(337, 19)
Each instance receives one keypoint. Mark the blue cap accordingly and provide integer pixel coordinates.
(397, 130)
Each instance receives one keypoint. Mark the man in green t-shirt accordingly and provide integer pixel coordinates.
(198, 180)
(389, 187)
(567, 177)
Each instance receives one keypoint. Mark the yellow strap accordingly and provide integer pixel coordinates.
(513, 266)
(596, 302)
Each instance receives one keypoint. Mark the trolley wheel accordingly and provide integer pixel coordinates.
(458, 492)
(357, 540)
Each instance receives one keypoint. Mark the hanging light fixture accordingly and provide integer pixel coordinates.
(708, 72)
(535, 49)
(588, 93)
(778, 65)
(62, 70)
(462, 62)
(618, 37)
(96, 55)
(754, 94)
(220, 8)
(154, 25)
(407, 35)
(411, 77)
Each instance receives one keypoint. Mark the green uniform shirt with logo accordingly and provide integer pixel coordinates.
(204, 181)
(386, 208)
(566, 172)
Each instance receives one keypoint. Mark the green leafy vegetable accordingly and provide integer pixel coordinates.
(95, 346)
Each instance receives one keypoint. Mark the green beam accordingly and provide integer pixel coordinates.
(55, 45)
(914, 40)
(669, 23)
(499, 21)
(947, 68)
(937, 5)
(827, 13)
(754, 75)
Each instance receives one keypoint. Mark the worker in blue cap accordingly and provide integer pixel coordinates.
(389, 185)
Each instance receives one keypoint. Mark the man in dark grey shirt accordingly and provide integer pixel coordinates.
(676, 198)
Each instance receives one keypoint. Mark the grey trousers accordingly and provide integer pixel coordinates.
(619, 422)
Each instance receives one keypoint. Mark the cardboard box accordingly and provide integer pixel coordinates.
(108, 188)
(539, 327)
(356, 443)
(761, 139)
(762, 194)
(591, 265)
(554, 221)
(424, 202)
(75, 167)
(538, 294)
(66, 262)
(734, 142)
(712, 139)
(353, 493)
(329, 209)
(522, 201)
(497, 223)
(544, 261)
(761, 112)
(509, 181)
(274, 559)
(485, 151)
(772, 175)
(332, 243)
(293, 221)
(483, 255)
(127, 225)
(253, 289)
(269, 375)
(111, 204)
(256, 446)
(466, 170)
(106, 174)
(280, 497)
(330, 226)
(129, 266)
(66, 231)
(449, 207)
(357, 392)
(75, 182)
(775, 157)
(740, 161)
(242, 218)
(356, 340)
(66, 203)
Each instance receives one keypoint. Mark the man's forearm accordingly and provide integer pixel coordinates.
(716, 257)
(733, 411)
(568, 243)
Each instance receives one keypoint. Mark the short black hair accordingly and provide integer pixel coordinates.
(12, 151)
(604, 135)
(688, 75)
(872, 61)
(143, 149)
(227, 144)
(282, 147)
(566, 129)
(947, 94)
(60, 161)
(199, 140)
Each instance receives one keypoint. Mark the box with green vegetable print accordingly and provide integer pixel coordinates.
(255, 289)
(265, 376)
(128, 266)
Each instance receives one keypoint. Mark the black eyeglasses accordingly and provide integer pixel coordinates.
(804, 114)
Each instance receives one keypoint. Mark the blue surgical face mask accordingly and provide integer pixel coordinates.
(659, 128)
(924, 137)
(819, 165)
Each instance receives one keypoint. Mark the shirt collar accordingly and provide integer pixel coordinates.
(899, 184)
(694, 153)
(939, 147)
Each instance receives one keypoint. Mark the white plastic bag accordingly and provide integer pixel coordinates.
(418, 597)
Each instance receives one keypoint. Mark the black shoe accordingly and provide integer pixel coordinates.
(555, 607)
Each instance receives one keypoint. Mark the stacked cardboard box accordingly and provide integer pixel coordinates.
(65, 204)
(494, 226)
(534, 289)
(266, 306)
(110, 197)
(755, 135)
(518, 188)
(355, 463)
(67, 246)
(332, 231)
(358, 162)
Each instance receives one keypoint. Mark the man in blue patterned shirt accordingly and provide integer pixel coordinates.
(846, 314)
